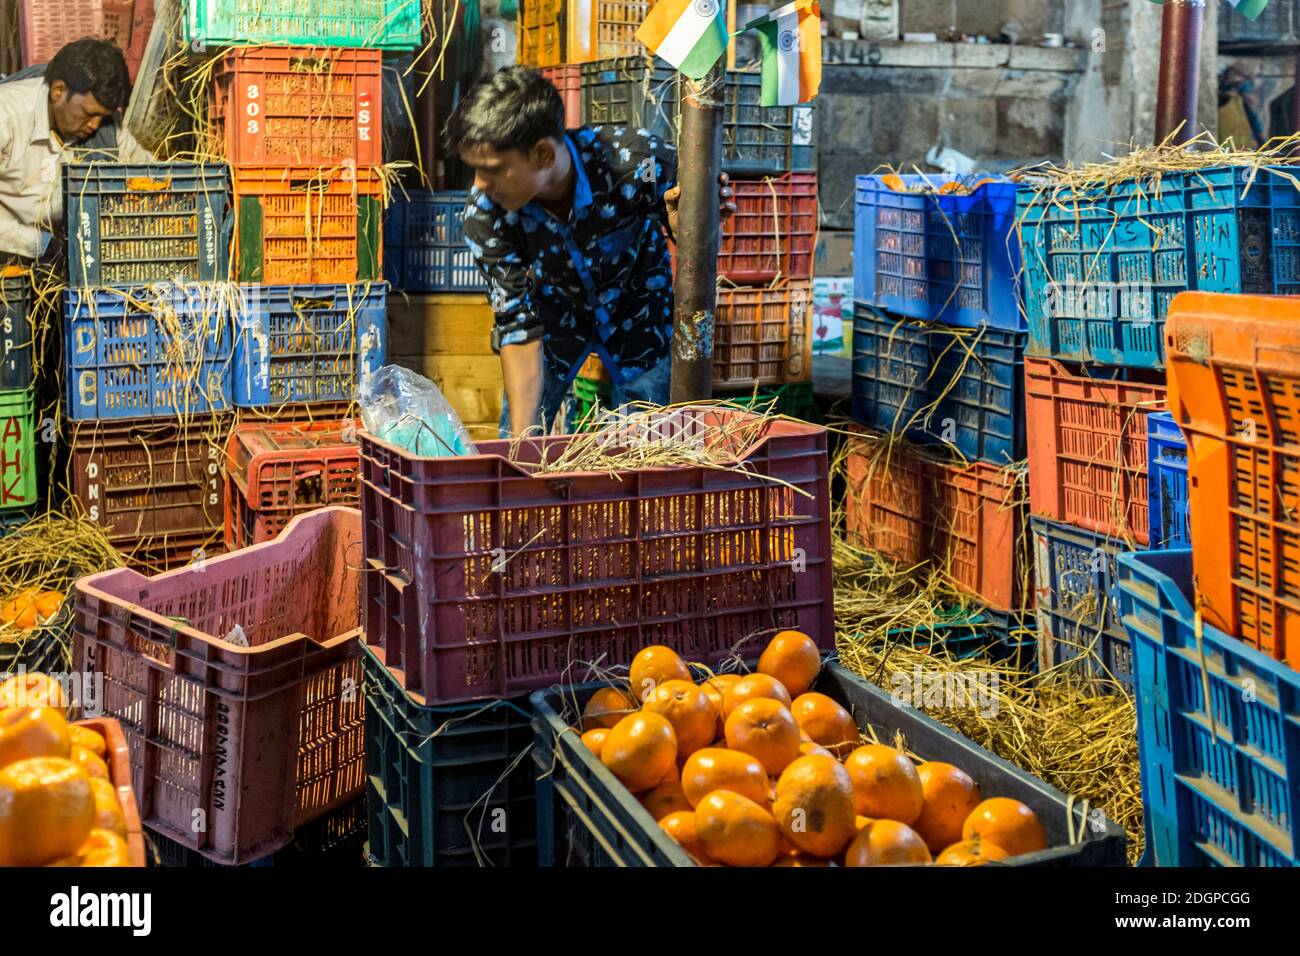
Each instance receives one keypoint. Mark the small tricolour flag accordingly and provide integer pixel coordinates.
(790, 38)
(689, 34)
(1250, 9)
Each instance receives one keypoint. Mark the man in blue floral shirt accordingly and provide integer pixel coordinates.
(569, 230)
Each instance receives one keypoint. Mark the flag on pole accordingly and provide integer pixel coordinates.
(689, 34)
(790, 38)
(1250, 9)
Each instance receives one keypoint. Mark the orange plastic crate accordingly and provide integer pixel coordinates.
(568, 80)
(539, 34)
(763, 336)
(298, 106)
(773, 231)
(1087, 440)
(968, 520)
(300, 225)
(1234, 387)
(603, 29)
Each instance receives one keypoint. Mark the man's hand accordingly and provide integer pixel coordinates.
(726, 201)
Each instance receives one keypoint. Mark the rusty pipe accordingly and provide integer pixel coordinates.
(1180, 71)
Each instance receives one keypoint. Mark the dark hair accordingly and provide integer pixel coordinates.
(92, 66)
(513, 108)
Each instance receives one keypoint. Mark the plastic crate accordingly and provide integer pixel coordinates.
(968, 520)
(18, 487)
(38, 652)
(796, 400)
(1077, 602)
(276, 471)
(128, 23)
(118, 758)
(45, 27)
(424, 244)
(773, 230)
(153, 485)
(601, 29)
(585, 817)
(1234, 387)
(335, 841)
(763, 336)
(947, 258)
(387, 24)
(307, 343)
(298, 106)
(1277, 25)
(589, 398)
(150, 351)
(137, 224)
(961, 388)
(592, 566)
(539, 33)
(1217, 721)
(446, 786)
(295, 225)
(215, 728)
(16, 329)
(643, 92)
(1102, 268)
(1087, 441)
(974, 632)
(567, 79)
(1167, 483)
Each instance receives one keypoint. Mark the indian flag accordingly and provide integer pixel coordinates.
(791, 42)
(689, 34)
(1250, 9)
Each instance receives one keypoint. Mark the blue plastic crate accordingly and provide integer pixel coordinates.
(156, 222)
(1218, 729)
(1077, 603)
(307, 343)
(1102, 268)
(959, 387)
(949, 258)
(1167, 505)
(148, 352)
(424, 244)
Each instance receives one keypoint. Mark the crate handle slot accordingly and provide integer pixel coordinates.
(306, 303)
(144, 184)
(310, 64)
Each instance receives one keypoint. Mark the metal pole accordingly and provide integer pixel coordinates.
(1180, 70)
(698, 231)
(1295, 96)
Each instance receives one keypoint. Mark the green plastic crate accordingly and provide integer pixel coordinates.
(17, 449)
(587, 395)
(795, 400)
(387, 24)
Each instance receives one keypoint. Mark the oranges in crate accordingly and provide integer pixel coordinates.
(57, 805)
(761, 770)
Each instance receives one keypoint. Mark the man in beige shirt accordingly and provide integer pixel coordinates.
(51, 115)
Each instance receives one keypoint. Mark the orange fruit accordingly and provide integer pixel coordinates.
(594, 739)
(606, 707)
(814, 805)
(764, 729)
(665, 799)
(970, 853)
(48, 603)
(808, 748)
(1007, 824)
(101, 848)
(20, 610)
(825, 722)
(736, 831)
(32, 732)
(32, 690)
(85, 737)
(653, 666)
(688, 709)
(950, 795)
(801, 859)
(640, 749)
(752, 686)
(716, 769)
(90, 761)
(46, 810)
(108, 809)
(860, 821)
(681, 827)
(714, 688)
(886, 843)
(885, 783)
(792, 658)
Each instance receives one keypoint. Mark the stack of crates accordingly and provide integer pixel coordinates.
(1108, 469)
(44, 28)
(936, 472)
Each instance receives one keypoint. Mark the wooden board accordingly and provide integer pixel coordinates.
(444, 323)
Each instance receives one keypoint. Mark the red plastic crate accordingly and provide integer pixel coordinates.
(214, 727)
(773, 231)
(568, 80)
(1234, 388)
(1087, 441)
(298, 106)
(590, 566)
(45, 27)
(763, 336)
(969, 520)
(295, 225)
(276, 471)
(118, 757)
(128, 24)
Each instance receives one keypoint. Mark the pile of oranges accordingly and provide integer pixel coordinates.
(57, 804)
(29, 608)
(757, 770)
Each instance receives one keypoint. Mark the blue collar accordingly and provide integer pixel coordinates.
(582, 197)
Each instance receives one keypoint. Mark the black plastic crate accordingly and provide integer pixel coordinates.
(16, 331)
(1278, 24)
(582, 808)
